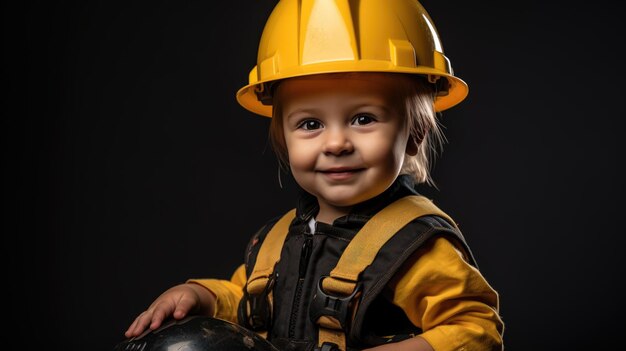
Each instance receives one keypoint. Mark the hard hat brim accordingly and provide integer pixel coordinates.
(457, 91)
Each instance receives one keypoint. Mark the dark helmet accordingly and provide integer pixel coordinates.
(197, 333)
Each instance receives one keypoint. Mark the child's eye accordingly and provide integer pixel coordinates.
(362, 119)
(310, 124)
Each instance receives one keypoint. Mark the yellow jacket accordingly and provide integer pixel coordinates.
(440, 292)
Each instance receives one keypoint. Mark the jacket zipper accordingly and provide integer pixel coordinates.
(305, 254)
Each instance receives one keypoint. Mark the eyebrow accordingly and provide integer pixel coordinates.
(381, 106)
(300, 110)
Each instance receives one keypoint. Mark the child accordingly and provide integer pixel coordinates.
(353, 89)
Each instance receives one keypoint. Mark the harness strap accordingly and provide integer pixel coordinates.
(256, 306)
(361, 252)
(363, 248)
(358, 255)
(269, 254)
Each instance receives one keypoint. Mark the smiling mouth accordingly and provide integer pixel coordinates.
(341, 170)
(341, 173)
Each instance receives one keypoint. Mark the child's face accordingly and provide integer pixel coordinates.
(345, 136)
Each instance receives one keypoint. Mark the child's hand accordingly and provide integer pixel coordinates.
(175, 302)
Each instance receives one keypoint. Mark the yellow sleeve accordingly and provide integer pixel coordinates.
(449, 300)
(228, 293)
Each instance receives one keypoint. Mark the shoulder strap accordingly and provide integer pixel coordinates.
(255, 307)
(363, 248)
(269, 254)
(360, 253)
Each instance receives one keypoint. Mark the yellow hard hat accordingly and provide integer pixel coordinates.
(304, 37)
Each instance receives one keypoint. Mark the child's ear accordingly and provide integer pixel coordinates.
(412, 145)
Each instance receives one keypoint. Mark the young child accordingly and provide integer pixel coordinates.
(353, 90)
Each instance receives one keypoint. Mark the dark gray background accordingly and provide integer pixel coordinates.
(129, 167)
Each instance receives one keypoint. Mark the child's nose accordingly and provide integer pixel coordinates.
(337, 142)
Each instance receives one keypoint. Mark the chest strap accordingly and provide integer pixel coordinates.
(330, 307)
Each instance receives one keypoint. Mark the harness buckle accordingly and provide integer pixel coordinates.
(337, 307)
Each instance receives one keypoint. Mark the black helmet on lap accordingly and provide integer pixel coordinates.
(197, 333)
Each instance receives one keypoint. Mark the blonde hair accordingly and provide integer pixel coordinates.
(424, 127)
(421, 122)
